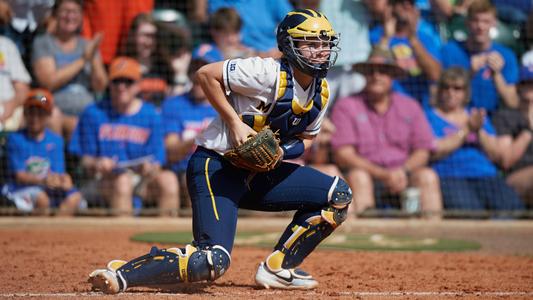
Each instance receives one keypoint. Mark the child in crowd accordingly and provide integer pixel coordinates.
(37, 164)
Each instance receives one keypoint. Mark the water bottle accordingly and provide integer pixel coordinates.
(411, 200)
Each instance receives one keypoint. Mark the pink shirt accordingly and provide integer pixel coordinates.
(386, 140)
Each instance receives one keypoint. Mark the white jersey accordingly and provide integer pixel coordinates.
(252, 84)
(11, 69)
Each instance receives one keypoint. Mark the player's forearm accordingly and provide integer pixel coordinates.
(506, 91)
(210, 78)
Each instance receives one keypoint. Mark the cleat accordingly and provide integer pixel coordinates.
(288, 279)
(105, 281)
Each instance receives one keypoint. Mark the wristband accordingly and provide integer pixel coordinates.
(293, 148)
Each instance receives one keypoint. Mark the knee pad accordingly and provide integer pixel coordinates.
(340, 197)
(208, 264)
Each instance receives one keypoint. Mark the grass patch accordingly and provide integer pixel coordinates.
(337, 241)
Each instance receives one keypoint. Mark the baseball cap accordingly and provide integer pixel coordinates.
(383, 58)
(526, 74)
(207, 53)
(40, 98)
(125, 67)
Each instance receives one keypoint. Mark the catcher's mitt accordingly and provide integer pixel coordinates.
(260, 153)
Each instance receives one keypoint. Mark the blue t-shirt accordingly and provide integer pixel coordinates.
(183, 116)
(260, 19)
(468, 161)
(484, 93)
(102, 132)
(38, 157)
(416, 84)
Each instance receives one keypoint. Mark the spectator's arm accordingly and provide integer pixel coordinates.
(97, 165)
(506, 91)
(504, 75)
(21, 92)
(28, 178)
(199, 13)
(444, 7)
(177, 149)
(490, 145)
(98, 74)
(50, 77)
(513, 150)
(430, 66)
(449, 144)
(347, 157)
(418, 158)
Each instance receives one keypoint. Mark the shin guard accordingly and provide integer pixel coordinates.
(307, 230)
(175, 265)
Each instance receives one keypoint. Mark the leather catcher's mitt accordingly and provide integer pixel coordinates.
(260, 153)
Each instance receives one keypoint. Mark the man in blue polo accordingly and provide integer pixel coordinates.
(120, 141)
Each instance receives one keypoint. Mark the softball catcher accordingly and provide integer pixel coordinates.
(290, 96)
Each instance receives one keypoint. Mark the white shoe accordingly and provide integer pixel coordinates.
(104, 280)
(290, 279)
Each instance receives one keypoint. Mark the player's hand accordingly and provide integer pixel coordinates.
(396, 180)
(104, 165)
(495, 62)
(240, 133)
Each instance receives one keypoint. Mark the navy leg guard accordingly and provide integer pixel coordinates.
(308, 229)
(175, 265)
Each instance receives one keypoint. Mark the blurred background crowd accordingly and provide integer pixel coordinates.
(430, 112)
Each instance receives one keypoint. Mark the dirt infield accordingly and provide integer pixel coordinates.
(51, 258)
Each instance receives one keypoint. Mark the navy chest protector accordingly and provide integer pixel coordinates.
(286, 116)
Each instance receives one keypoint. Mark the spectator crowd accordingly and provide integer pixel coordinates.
(431, 101)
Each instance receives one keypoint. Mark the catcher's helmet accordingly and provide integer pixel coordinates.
(309, 26)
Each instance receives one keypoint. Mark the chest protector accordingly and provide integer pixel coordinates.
(286, 116)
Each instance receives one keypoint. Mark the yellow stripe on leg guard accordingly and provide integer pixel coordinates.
(275, 260)
(184, 262)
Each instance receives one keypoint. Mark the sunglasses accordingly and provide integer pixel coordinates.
(125, 81)
(455, 87)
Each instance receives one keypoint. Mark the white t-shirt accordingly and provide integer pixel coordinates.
(249, 83)
(11, 69)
